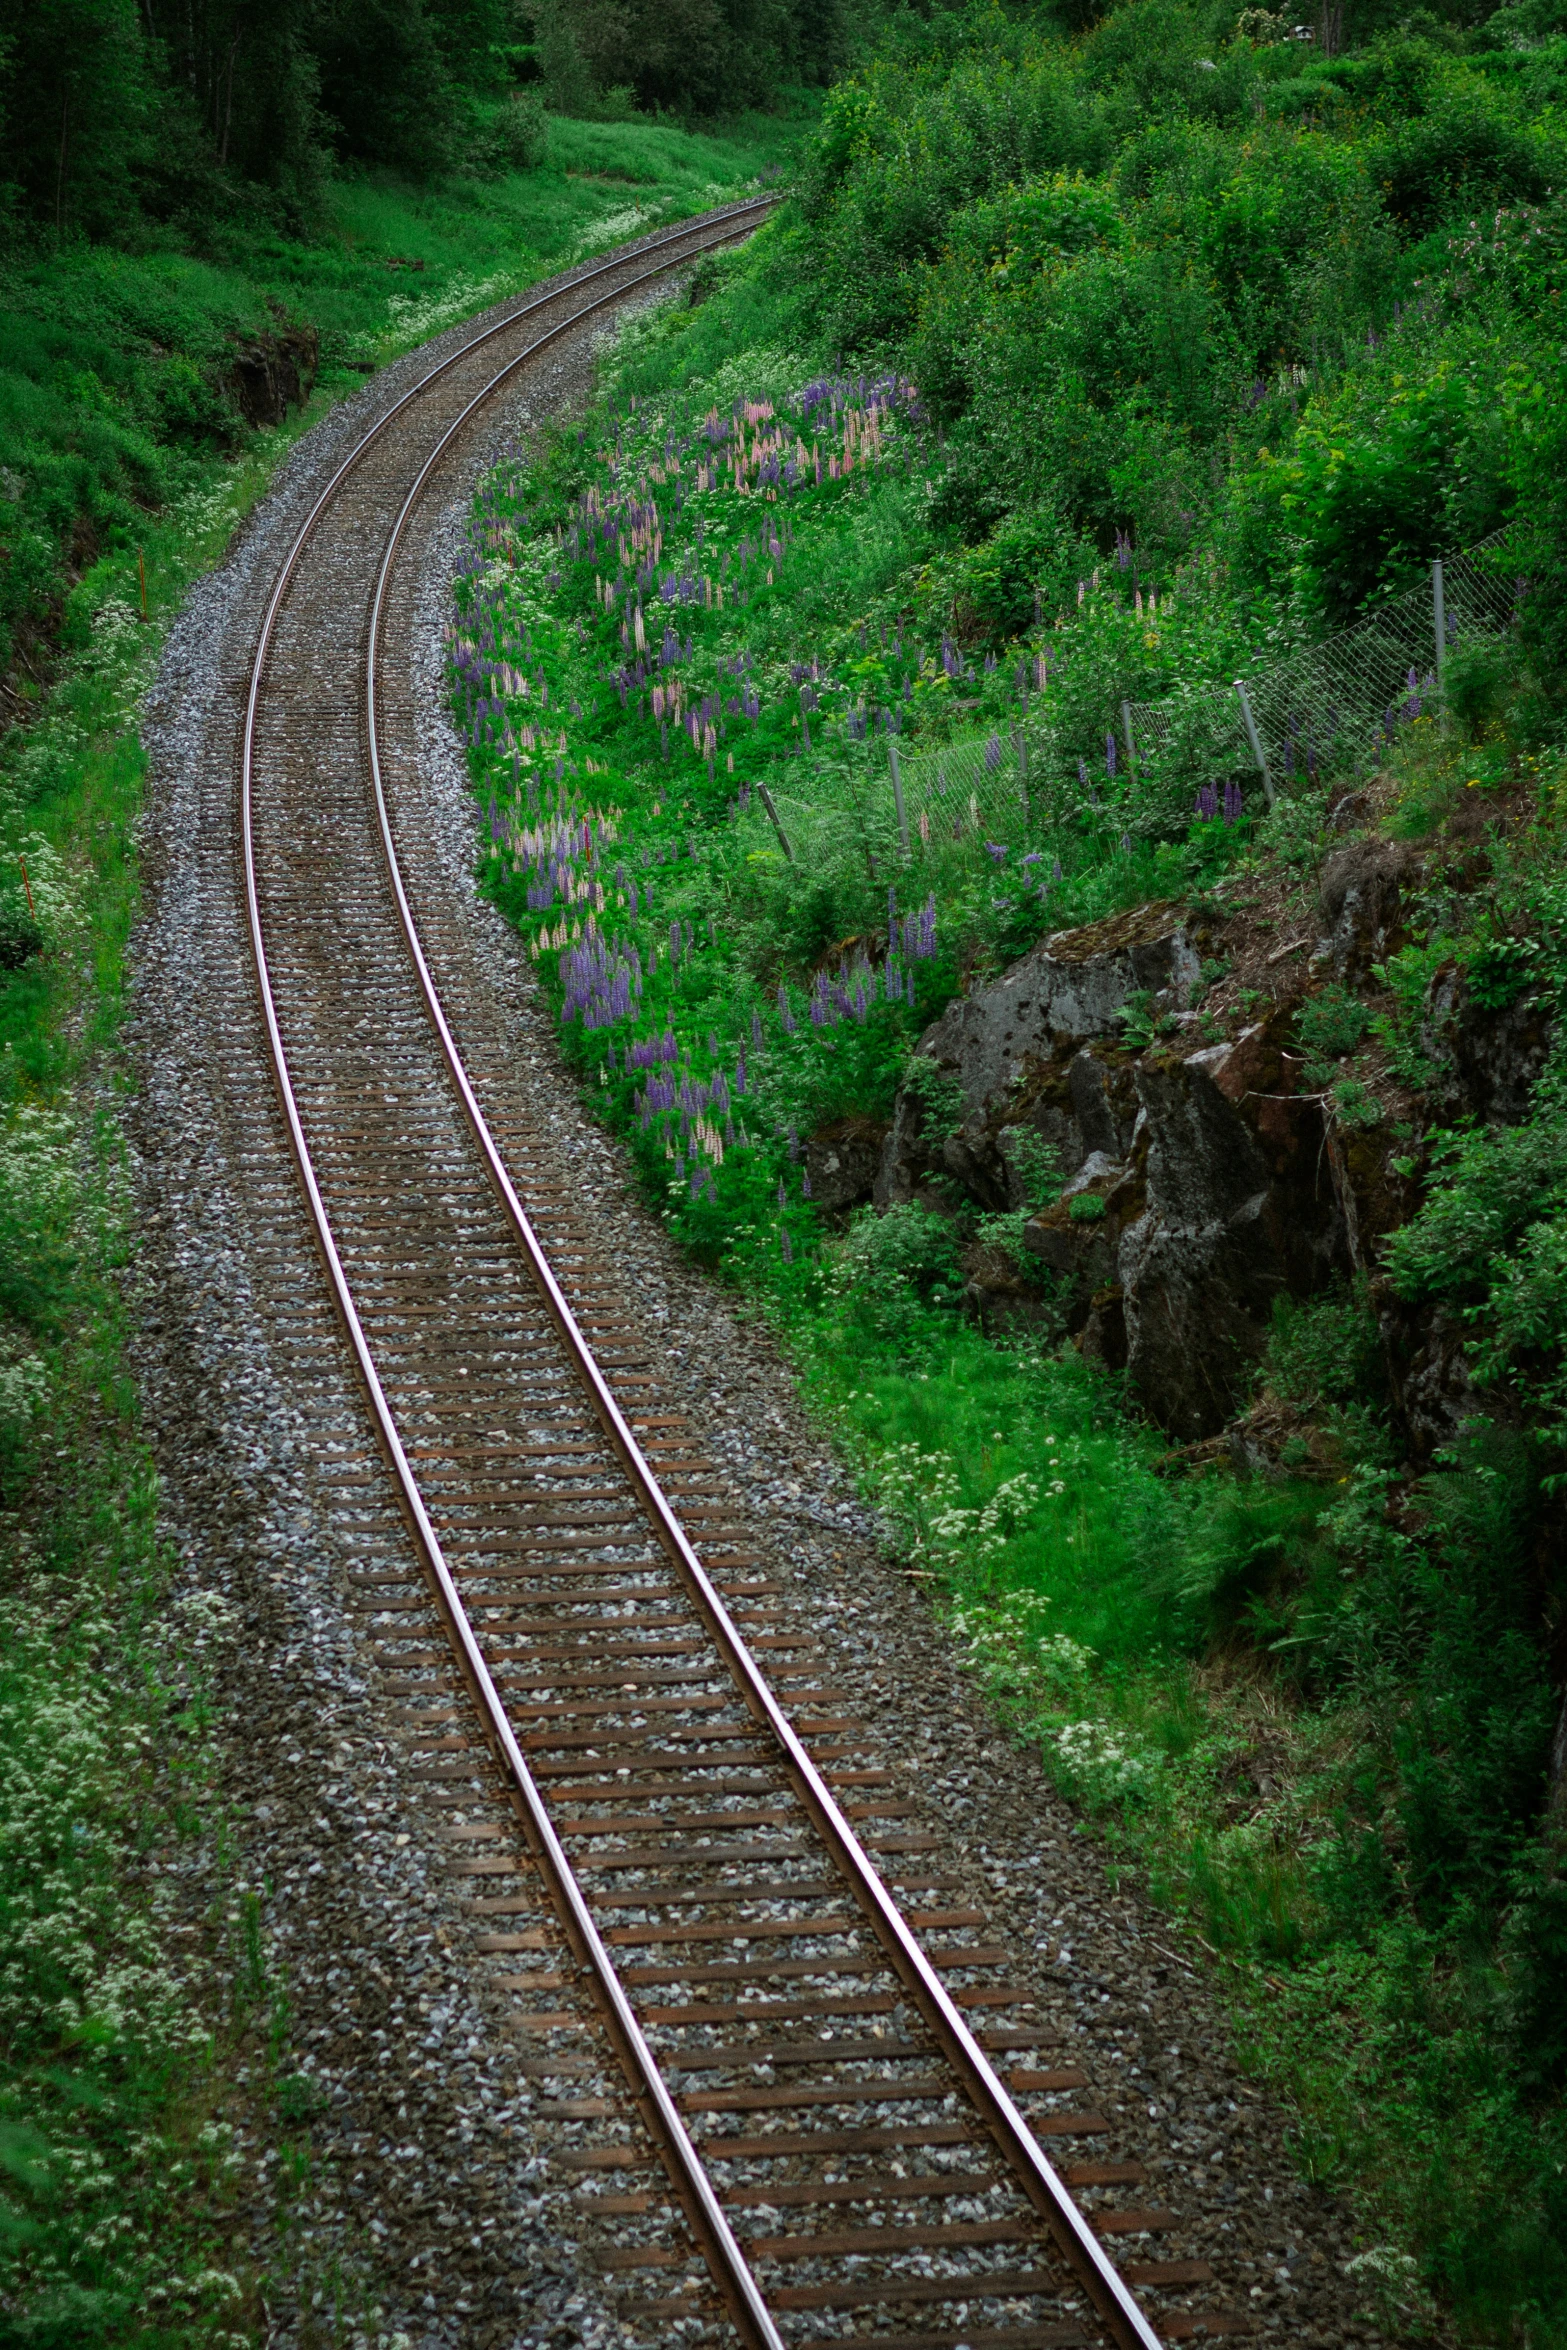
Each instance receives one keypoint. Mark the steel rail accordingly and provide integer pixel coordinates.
(715, 2237)
(1042, 2183)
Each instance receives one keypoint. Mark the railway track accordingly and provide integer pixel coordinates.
(831, 2109)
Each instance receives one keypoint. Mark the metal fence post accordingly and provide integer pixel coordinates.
(766, 799)
(1020, 745)
(1255, 740)
(897, 793)
(1439, 615)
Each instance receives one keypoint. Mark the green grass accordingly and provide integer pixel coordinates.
(114, 2175)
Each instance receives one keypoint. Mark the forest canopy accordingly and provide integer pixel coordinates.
(123, 117)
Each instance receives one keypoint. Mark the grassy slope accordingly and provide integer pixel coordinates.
(1345, 1815)
(115, 2059)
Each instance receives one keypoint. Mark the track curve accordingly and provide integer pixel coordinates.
(605, 1667)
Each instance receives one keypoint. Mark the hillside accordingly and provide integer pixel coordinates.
(1152, 1166)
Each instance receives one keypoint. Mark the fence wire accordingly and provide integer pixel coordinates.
(1321, 709)
(1330, 702)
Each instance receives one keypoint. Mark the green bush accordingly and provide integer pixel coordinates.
(1478, 681)
(1488, 1189)
(518, 137)
(1330, 1024)
(1325, 1350)
(896, 1250)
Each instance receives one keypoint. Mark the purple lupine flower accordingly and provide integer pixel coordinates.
(783, 1197)
(756, 1032)
(786, 1244)
(805, 1184)
(1232, 801)
(1055, 871)
(794, 1141)
(1207, 803)
(996, 849)
(993, 754)
(1110, 756)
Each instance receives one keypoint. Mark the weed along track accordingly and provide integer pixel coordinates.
(803, 2097)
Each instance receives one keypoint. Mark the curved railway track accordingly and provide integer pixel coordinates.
(814, 2142)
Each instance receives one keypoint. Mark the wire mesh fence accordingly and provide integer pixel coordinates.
(1206, 748)
(1330, 703)
(891, 804)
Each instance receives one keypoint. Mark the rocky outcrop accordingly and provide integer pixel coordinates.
(1362, 890)
(1486, 1061)
(1182, 1186)
(273, 373)
(1065, 991)
(1194, 1186)
(841, 1161)
(1241, 1209)
(1019, 1062)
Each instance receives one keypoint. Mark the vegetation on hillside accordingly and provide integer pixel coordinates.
(1083, 369)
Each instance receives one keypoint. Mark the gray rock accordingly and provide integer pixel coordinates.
(1002, 1047)
(1436, 1394)
(1219, 1195)
(1488, 1062)
(1230, 1225)
(842, 1162)
(1072, 986)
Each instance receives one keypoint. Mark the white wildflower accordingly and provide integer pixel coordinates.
(1104, 1765)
